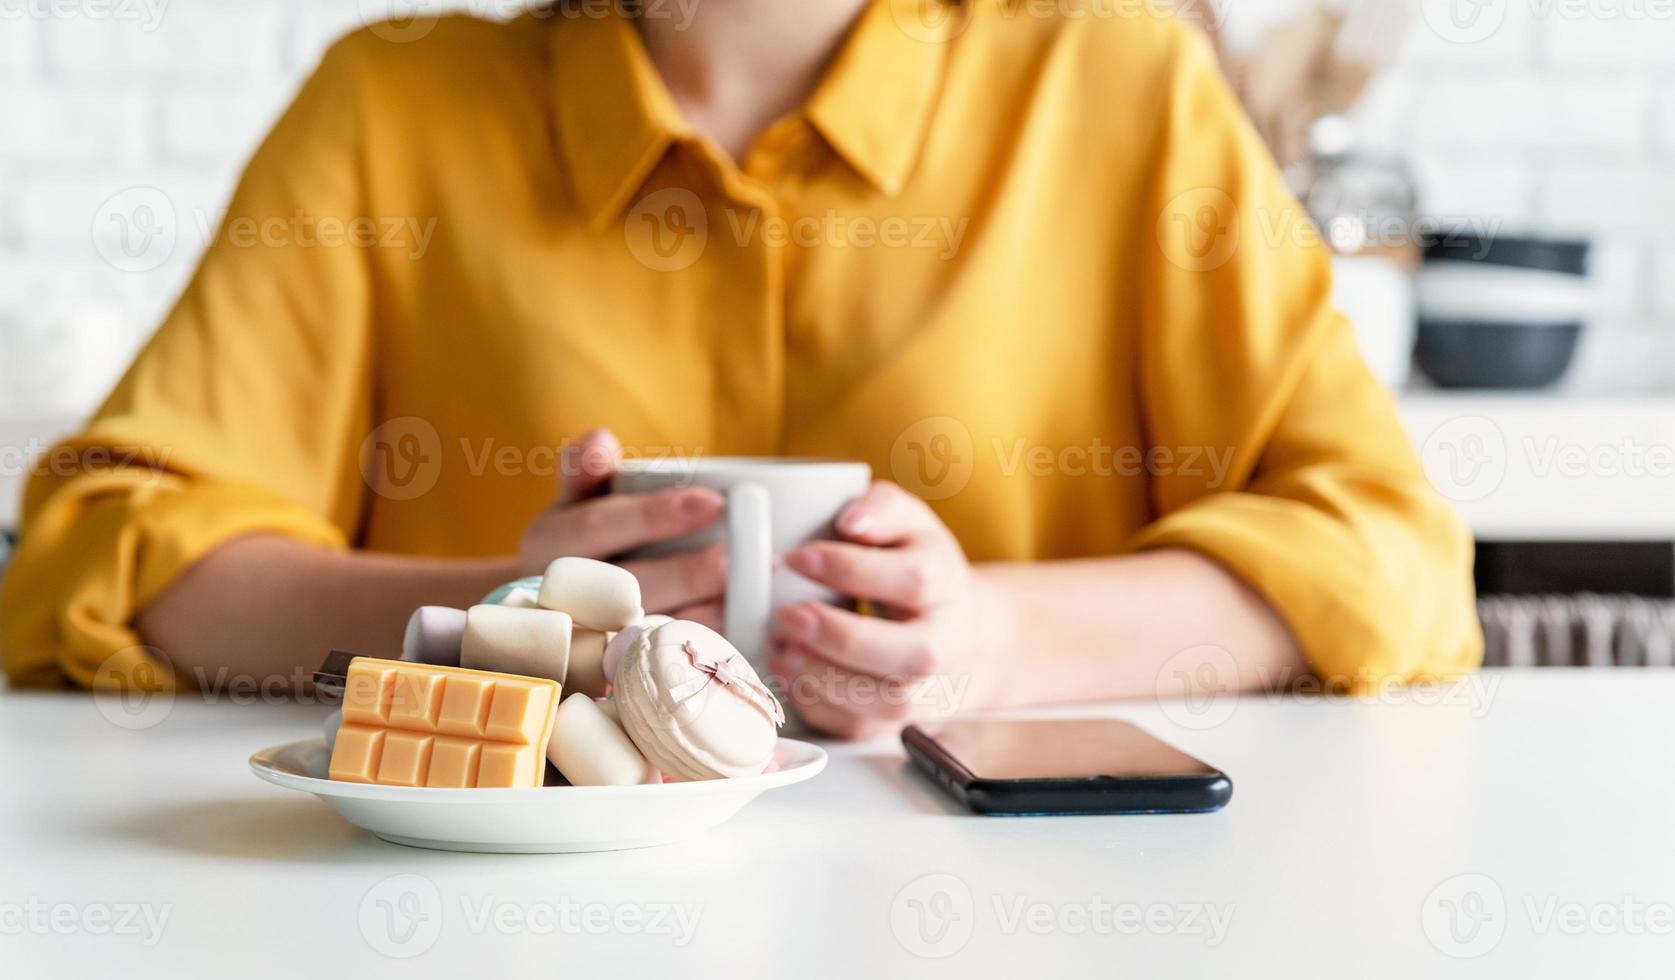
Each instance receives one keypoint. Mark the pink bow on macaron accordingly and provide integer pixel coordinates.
(721, 670)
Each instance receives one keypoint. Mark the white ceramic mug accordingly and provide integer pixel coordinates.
(773, 506)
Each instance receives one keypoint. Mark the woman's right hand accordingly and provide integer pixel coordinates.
(588, 522)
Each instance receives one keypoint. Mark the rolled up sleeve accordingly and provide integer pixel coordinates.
(1322, 506)
(240, 416)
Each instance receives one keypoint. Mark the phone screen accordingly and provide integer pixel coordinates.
(1062, 749)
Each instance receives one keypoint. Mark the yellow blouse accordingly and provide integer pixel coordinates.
(1037, 269)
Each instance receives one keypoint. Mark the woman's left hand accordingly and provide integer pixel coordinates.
(924, 652)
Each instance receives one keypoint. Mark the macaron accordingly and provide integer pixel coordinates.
(624, 638)
(693, 704)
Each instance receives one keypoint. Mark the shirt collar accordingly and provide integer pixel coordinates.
(616, 119)
(875, 104)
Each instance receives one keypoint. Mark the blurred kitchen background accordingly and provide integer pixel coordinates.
(1498, 177)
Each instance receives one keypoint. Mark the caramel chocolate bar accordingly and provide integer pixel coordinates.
(409, 724)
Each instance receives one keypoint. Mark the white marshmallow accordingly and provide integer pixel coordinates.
(621, 640)
(531, 642)
(433, 636)
(587, 663)
(590, 749)
(596, 594)
(521, 598)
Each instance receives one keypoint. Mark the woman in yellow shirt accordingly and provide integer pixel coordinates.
(1046, 249)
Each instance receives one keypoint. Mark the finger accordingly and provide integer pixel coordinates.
(708, 613)
(914, 577)
(865, 644)
(837, 701)
(587, 465)
(681, 580)
(619, 522)
(887, 515)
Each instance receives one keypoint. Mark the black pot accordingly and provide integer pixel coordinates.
(1500, 311)
(1466, 354)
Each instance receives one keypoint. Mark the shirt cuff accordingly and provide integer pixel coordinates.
(99, 551)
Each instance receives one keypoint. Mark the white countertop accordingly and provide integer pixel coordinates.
(1533, 801)
(1550, 466)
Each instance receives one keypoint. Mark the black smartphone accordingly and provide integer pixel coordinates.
(1047, 767)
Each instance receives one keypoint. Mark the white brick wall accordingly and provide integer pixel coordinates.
(1560, 118)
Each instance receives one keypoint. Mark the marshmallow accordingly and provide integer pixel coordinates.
(590, 749)
(530, 642)
(433, 636)
(694, 706)
(596, 594)
(332, 721)
(621, 640)
(521, 598)
(587, 662)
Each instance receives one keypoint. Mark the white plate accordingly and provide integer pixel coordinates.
(533, 821)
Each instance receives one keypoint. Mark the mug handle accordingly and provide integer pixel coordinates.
(749, 570)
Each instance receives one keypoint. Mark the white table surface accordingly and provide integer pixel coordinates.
(1351, 823)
